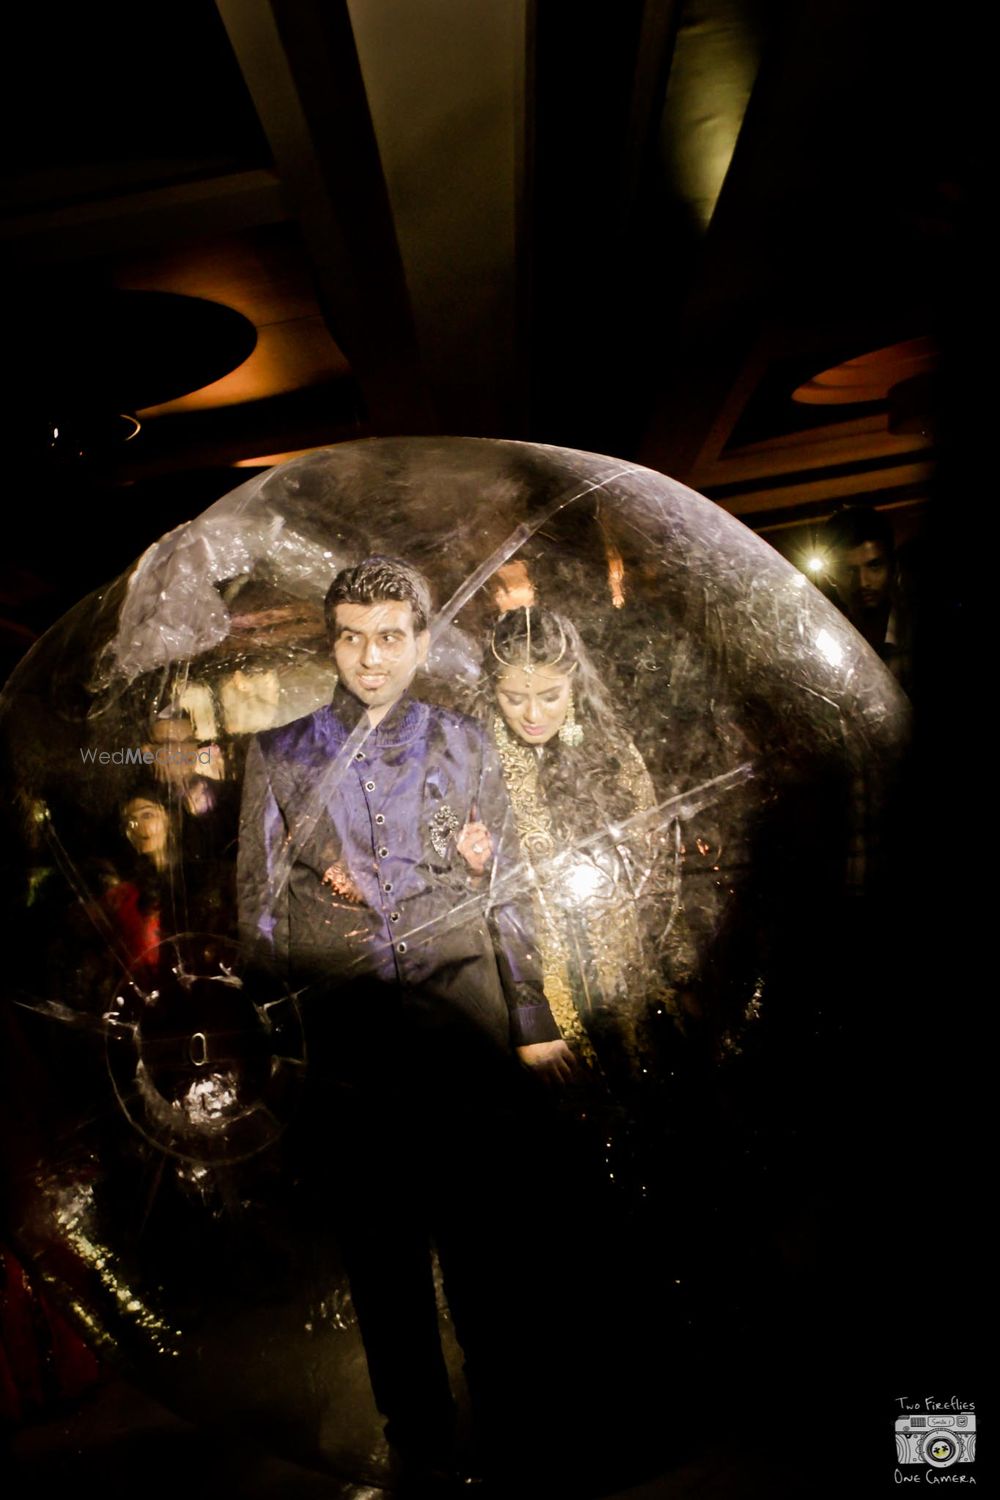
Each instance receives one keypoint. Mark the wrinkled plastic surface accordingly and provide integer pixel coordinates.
(147, 1173)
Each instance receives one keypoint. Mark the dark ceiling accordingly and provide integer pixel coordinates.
(643, 228)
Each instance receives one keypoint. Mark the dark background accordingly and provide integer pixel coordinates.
(639, 231)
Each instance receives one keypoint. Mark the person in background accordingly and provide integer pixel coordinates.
(137, 885)
(181, 762)
(204, 805)
(862, 564)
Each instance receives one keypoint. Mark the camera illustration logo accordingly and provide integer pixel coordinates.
(936, 1440)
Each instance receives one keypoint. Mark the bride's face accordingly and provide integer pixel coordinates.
(533, 703)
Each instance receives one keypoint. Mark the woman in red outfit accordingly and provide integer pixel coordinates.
(134, 903)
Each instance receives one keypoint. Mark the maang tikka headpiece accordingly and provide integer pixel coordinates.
(528, 666)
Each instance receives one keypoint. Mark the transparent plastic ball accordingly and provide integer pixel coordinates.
(692, 754)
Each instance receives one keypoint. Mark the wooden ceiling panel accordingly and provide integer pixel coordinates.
(291, 356)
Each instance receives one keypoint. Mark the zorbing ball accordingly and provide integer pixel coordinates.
(735, 741)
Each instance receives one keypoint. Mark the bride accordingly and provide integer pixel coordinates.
(603, 871)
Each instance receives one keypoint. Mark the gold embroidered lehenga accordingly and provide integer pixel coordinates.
(600, 974)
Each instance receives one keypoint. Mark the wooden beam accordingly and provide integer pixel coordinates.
(841, 487)
(445, 83)
(300, 64)
(817, 449)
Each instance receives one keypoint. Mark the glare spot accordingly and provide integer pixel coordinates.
(829, 648)
(584, 881)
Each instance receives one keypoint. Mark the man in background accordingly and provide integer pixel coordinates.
(863, 567)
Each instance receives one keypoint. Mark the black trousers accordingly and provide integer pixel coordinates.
(421, 1136)
(427, 1134)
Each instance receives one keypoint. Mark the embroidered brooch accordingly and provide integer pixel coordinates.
(443, 825)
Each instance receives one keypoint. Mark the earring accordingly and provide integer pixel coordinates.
(570, 732)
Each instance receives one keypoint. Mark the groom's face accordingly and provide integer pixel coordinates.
(377, 651)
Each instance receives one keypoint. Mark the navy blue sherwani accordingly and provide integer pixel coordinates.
(357, 877)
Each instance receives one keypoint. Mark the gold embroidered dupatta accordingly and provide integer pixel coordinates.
(585, 907)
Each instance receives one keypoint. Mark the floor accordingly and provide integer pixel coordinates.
(120, 1443)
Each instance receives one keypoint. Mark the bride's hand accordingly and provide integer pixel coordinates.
(476, 847)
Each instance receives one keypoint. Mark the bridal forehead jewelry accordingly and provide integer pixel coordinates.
(528, 666)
